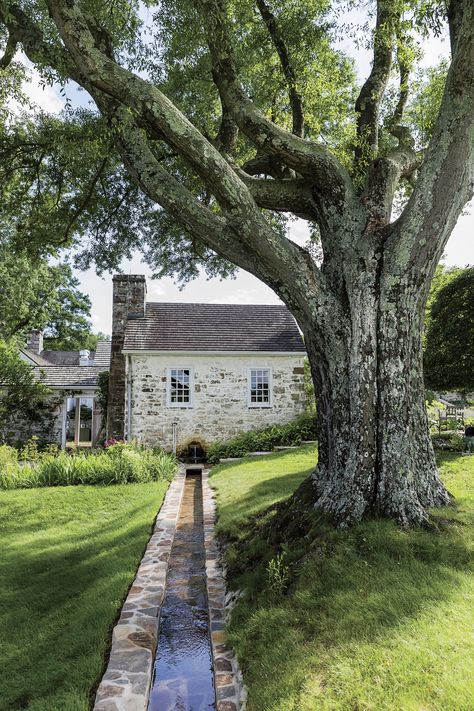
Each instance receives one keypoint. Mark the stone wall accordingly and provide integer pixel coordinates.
(220, 397)
(46, 423)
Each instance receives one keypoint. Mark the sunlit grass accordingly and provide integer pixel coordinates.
(374, 618)
(68, 556)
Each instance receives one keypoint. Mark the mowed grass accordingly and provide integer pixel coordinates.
(373, 618)
(68, 556)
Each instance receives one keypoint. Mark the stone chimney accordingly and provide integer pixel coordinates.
(129, 301)
(35, 341)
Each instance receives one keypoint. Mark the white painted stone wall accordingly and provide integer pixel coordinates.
(220, 399)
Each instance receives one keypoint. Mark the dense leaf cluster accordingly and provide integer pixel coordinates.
(449, 350)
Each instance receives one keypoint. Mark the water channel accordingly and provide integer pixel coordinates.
(183, 677)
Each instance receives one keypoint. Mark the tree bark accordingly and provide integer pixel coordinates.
(375, 451)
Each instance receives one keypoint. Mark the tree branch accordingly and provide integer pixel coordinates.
(290, 75)
(182, 203)
(383, 180)
(385, 172)
(368, 102)
(155, 181)
(282, 195)
(446, 178)
(241, 234)
(141, 96)
(228, 133)
(455, 13)
(10, 49)
(264, 164)
(309, 159)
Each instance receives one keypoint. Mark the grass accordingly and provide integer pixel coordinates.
(68, 556)
(118, 464)
(373, 618)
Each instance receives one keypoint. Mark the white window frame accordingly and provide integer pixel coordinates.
(179, 405)
(259, 405)
(77, 397)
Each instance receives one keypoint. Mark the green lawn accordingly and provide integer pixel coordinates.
(373, 618)
(68, 556)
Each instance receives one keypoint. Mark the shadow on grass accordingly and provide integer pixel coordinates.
(60, 595)
(259, 499)
(347, 589)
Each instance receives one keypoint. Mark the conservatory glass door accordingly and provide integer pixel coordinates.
(79, 421)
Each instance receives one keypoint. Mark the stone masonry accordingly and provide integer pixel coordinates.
(129, 295)
(220, 408)
(126, 683)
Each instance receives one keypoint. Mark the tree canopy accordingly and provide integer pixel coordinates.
(449, 349)
(288, 60)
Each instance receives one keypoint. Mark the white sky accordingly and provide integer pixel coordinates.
(244, 289)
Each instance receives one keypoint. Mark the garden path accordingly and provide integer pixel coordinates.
(176, 607)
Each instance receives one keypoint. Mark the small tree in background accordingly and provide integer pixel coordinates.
(449, 349)
(37, 294)
(22, 395)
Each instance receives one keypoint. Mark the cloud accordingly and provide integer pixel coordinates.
(46, 97)
(43, 96)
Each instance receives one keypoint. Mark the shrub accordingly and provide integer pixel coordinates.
(448, 441)
(118, 464)
(263, 440)
(8, 455)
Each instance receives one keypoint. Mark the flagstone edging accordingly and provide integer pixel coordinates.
(126, 683)
(230, 690)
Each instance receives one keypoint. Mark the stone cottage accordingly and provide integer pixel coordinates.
(181, 375)
(189, 374)
(72, 378)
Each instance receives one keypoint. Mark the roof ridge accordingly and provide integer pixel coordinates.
(207, 303)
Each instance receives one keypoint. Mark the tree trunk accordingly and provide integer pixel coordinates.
(375, 451)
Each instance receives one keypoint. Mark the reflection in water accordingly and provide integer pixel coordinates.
(183, 677)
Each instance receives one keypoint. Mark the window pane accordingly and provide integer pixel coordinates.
(260, 385)
(70, 419)
(180, 391)
(85, 425)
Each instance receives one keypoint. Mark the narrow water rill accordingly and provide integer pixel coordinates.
(183, 678)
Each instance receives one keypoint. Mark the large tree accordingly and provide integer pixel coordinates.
(286, 141)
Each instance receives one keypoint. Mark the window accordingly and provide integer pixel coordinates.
(260, 387)
(179, 384)
(81, 422)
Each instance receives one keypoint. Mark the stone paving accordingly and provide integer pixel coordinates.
(230, 690)
(183, 674)
(126, 684)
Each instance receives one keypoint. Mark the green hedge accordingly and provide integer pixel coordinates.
(119, 464)
(449, 441)
(291, 434)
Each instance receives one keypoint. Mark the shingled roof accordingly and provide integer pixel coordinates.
(61, 357)
(102, 353)
(101, 356)
(214, 327)
(65, 376)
